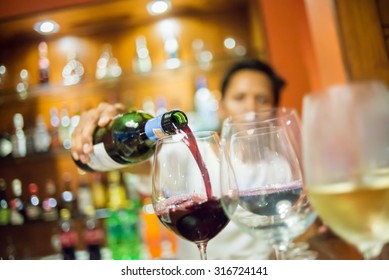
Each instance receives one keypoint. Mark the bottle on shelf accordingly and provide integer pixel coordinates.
(4, 207)
(122, 223)
(93, 234)
(54, 127)
(3, 75)
(18, 211)
(43, 63)
(171, 48)
(99, 192)
(49, 204)
(107, 65)
(22, 86)
(205, 106)
(5, 145)
(130, 138)
(42, 138)
(84, 197)
(73, 71)
(142, 62)
(68, 235)
(68, 198)
(33, 207)
(19, 142)
(64, 128)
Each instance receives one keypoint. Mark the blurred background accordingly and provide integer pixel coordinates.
(59, 58)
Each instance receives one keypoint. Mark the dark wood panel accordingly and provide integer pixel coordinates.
(363, 43)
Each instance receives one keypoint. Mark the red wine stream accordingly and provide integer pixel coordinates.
(190, 141)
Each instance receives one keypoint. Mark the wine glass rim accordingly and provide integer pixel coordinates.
(258, 131)
(252, 116)
(173, 138)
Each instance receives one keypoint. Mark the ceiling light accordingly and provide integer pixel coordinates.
(157, 7)
(46, 27)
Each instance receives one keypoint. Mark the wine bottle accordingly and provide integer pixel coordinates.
(130, 138)
(18, 212)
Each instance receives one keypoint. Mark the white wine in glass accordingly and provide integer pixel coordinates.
(346, 162)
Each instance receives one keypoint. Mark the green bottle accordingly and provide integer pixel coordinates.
(4, 207)
(130, 138)
(122, 224)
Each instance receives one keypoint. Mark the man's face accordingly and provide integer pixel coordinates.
(248, 90)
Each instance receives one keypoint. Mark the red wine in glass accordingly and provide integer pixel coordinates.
(195, 218)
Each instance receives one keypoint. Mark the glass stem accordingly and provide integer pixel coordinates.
(203, 250)
(280, 251)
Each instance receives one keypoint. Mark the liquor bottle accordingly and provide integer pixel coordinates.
(18, 212)
(93, 234)
(171, 48)
(130, 138)
(122, 223)
(3, 75)
(68, 198)
(206, 106)
(33, 207)
(4, 208)
(68, 236)
(54, 127)
(107, 65)
(49, 204)
(22, 86)
(19, 142)
(64, 129)
(142, 62)
(99, 196)
(5, 145)
(42, 138)
(43, 63)
(73, 71)
(84, 197)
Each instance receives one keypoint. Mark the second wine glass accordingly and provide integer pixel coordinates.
(287, 122)
(186, 186)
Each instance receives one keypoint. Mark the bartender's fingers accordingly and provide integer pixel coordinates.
(108, 112)
(82, 136)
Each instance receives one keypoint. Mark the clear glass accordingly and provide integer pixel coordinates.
(284, 122)
(346, 161)
(186, 192)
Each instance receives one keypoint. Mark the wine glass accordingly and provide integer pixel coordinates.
(287, 120)
(186, 186)
(346, 161)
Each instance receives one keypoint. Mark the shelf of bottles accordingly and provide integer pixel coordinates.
(109, 216)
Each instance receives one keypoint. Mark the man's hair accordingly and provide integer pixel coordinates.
(256, 65)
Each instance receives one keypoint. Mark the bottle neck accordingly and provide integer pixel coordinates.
(165, 124)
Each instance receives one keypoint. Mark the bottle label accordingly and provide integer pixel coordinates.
(153, 128)
(4, 216)
(101, 161)
(94, 236)
(33, 212)
(68, 239)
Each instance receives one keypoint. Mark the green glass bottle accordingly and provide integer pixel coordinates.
(4, 207)
(130, 138)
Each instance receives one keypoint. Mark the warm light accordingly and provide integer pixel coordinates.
(158, 7)
(46, 27)
(229, 43)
